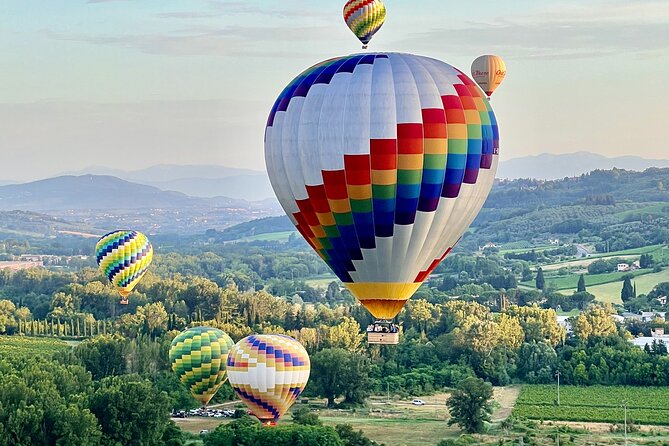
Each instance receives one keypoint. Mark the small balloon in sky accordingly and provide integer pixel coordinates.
(124, 257)
(488, 71)
(364, 18)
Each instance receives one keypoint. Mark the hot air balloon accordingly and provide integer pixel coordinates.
(198, 356)
(124, 257)
(488, 71)
(364, 18)
(382, 161)
(268, 373)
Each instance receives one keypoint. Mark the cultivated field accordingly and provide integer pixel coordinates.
(610, 292)
(399, 423)
(645, 405)
(19, 345)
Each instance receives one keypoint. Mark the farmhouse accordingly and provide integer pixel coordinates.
(644, 316)
(623, 267)
(563, 321)
(649, 316)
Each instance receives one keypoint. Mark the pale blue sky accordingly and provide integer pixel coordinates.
(132, 83)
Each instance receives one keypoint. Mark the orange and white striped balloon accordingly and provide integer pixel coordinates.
(488, 71)
(268, 373)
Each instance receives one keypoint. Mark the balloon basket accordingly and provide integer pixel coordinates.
(383, 333)
(124, 301)
(268, 423)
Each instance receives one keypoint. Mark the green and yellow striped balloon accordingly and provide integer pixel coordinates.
(198, 356)
(124, 257)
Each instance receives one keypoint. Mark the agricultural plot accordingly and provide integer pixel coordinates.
(270, 237)
(610, 292)
(571, 281)
(12, 346)
(645, 405)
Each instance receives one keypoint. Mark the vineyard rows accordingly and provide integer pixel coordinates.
(646, 405)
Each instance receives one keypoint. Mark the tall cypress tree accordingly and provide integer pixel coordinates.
(540, 282)
(581, 284)
(627, 292)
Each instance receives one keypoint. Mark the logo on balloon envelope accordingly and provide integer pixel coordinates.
(382, 161)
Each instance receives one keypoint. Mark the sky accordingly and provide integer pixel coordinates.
(133, 83)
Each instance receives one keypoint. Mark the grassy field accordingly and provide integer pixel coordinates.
(522, 247)
(399, 423)
(659, 253)
(270, 237)
(610, 292)
(651, 209)
(571, 281)
(23, 345)
(321, 281)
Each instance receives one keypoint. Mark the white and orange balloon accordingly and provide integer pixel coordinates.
(488, 71)
(268, 373)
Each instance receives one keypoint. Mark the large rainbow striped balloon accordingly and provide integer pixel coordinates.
(198, 356)
(268, 373)
(382, 161)
(364, 18)
(124, 257)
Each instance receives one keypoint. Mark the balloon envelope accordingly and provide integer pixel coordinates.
(382, 161)
(124, 257)
(488, 71)
(268, 373)
(198, 356)
(364, 18)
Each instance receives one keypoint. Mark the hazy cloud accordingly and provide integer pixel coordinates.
(49, 137)
(570, 31)
(221, 8)
(211, 41)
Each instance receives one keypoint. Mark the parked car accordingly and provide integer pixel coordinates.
(218, 415)
(204, 432)
(418, 402)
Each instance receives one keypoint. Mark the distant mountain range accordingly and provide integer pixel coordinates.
(193, 185)
(548, 166)
(99, 192)
(196, 180)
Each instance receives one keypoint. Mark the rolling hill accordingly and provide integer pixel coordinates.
(547, 166)
(203, 181)
(97, 192)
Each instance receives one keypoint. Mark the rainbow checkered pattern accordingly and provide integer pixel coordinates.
(382, 161)
(364, 18)
(268, 373)
(124, 257)
(198, 356)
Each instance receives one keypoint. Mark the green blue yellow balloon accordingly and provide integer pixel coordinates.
(124, 257)
(198, 357)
